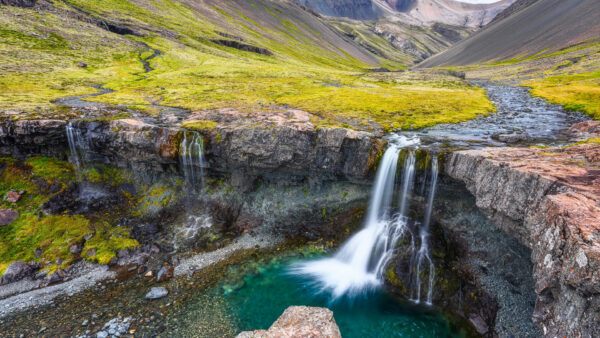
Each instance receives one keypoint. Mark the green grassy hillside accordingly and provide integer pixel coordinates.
(304, 62)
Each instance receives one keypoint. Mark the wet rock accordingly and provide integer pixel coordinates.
(117, 326)
(510, 138)
(15, 272)
(157, 293)
(479, 324)
(165, 273)
(13, 196)
(300, 321)
(7, 216)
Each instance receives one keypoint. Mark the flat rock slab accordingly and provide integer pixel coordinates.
(7, 216)
(300, 321)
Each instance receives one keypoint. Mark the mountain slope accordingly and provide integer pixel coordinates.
(545, 26)
(411, 11)
(257, 55)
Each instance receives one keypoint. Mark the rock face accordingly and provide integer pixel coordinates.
(548, 200)
(276, 143)
(46, 137)
(300, 321)
(285, 141)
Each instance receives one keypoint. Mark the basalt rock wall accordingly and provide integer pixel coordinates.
(548, 199)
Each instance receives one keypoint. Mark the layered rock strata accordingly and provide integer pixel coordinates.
(548, 199)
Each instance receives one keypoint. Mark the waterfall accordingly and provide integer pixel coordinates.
(77, 145)
(423, 255)
(191, 153)
(359, 265)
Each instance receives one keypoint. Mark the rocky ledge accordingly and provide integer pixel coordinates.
(548, 199)
(284, 140)
(282, 143)
(300, 321)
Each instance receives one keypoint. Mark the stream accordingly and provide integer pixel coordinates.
(250, 290)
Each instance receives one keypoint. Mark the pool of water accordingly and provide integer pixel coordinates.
(254, 294)
(263, 297)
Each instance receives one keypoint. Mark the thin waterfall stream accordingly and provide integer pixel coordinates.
(359, 265)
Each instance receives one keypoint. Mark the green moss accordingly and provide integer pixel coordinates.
(576, 92)
(54, 234)
(106, 242)
(200, 125)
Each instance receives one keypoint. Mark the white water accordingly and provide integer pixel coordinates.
(358, 266)
(423, 258)
(191, 153)
(77, 145)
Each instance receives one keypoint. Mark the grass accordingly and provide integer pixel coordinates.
(577, 92)
(52, 235)
(194, 73)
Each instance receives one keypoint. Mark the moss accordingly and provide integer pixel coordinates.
(200, 125)
(106, 174)
(53, 234)
(106, 242)
(576, 92)
(52, 170)
(593, 140)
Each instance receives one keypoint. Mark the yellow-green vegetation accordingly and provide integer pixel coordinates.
(311, 67)
(200, 125)
(577, 92)
(593, 140)
(106, 174)
(51, 236)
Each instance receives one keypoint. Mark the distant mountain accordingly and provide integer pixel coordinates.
(527, 28)
(424, 12)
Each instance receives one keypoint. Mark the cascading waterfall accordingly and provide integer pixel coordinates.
(191, 153)
(358, 267)
(422, 256)
(77, 145)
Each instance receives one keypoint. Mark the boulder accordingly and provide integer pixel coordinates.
(165, 273)
(7, 216)
(300, 321)
(15, 272)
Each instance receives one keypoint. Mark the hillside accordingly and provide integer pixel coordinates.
(543, 27)
(214, 54)
(411, 11)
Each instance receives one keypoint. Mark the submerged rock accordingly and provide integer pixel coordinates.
(157, 293)
(300, 321)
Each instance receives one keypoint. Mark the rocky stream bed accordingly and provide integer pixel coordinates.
(513, 235)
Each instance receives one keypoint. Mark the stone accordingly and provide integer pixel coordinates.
(165, 273)
(101, 334)
(157, 293)
(75, 248)
(13, 196)
(82, 65)
(7, 216)
(300, 321)
(479, 324)
(148, 274)
(15, 272)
